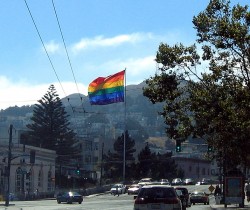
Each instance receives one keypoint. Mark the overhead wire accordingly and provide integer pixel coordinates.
(44, 46)
(50, 58)
(66, 50)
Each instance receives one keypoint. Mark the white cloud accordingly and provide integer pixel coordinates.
(52, 47)
(137, 69)
(100, 41)
(21, 93)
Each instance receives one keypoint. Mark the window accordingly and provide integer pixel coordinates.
(88, 158)
(40, 178)
(18, 179)
(203, 171)
(49, 181)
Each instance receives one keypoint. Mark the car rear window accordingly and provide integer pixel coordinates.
(183, 190)
(156, 192)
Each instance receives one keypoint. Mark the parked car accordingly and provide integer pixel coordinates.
(199, 197)
(185, 193)
(118, 188)
(164, 181)
(176, 181)
(145, 181)
(188, 181)
(157, 197)
(204, 181)
(69, 197)
(133, 189)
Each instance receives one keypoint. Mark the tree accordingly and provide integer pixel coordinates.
(157, 166)
(213, 104)
(145, 158)
(50, 128)
(115, 160)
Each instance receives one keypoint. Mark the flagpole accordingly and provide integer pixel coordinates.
(124, 135)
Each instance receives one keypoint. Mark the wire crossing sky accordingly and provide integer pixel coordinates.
(70, 43)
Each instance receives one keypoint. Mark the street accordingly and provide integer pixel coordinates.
(95, 202)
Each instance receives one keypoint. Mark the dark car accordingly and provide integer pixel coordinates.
(69, 197)
(199, 197)
(182, 198)
(185, 194)
(157, 197)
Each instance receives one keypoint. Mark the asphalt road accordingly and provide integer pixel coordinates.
(94, 202)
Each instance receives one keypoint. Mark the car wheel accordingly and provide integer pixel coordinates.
(58, 201)
(193, 203)
(80, 202)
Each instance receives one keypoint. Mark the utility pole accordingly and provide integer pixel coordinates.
(101, 165)
(8, 167)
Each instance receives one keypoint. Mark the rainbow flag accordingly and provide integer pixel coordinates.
(107, 90)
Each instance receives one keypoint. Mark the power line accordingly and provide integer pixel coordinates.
(70, 64)
(44, 46)
(49, 56)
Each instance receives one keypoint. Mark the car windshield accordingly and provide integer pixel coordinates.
(73, 193)
(156, 192)
(134, 185)
(179, 192)
(183, 190)
(198, 193)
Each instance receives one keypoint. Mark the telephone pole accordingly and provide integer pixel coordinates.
(8, 167)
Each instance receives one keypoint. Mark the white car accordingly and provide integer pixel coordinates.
(145, 181)
(133, 189)
(118, 189)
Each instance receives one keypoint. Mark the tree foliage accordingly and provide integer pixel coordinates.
(157, 166)
(50, 128)
(210, 101)
(114, 161)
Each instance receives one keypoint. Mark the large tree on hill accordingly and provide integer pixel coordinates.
(212, 104)
(50, 128)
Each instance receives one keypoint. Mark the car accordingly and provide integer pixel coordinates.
(145, 181)
(188, 181)
(176, 181)
(157, 197)
(164, 181)
(199, 197)
(69, 197)
(182, 198)
(204, 181)
(118, 189)
(133, 189)
(185, 193)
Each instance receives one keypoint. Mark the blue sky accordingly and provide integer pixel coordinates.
(102, 37)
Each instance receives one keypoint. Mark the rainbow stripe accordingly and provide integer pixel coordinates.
(107, 90)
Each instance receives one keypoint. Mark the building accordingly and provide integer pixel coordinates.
(194, 167)
(32, 169)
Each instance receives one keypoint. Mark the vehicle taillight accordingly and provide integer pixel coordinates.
(140, 201)
(171, 201)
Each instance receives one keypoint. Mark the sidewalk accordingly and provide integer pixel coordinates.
(232, 206)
